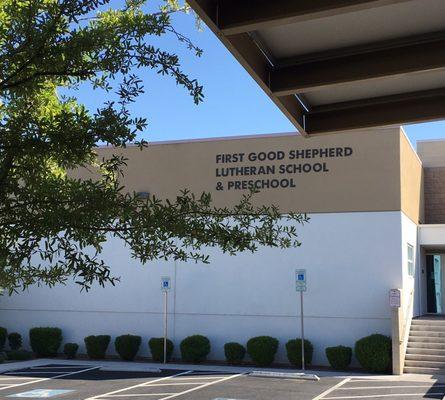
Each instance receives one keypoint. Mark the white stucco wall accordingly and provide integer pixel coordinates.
(411, 283)
(352, 259)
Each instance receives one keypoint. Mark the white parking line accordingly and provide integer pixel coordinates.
(373, 396)
(139, 394)
(35, 372)
(190, 378)
(392, 387)
(421, 389)
(166, 381)
(144, 384)
(9, 378)
(201, 387)
(330, 390)
(46, 379)
(61, 367)
(176, 384)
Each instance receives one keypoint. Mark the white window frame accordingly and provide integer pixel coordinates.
(410, 259)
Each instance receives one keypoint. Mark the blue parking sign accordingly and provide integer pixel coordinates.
(165, 283)
(300, 280)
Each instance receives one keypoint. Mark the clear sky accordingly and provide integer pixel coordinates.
(233, 105)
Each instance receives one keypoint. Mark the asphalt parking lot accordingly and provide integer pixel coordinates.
(78, 382)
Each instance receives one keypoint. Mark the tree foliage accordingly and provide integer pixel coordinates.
(52, 226)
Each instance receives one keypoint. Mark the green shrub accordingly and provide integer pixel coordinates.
(234, 353)
(97, 346)
(339, 357)
(262, 350)
(3, 357)
(156, 346)
(293, 349)
(374, 353)
(15, 340)
(45, 342)
(3, 337)
(20, 355)
(195, 348)
(127, 346)
(70, 350)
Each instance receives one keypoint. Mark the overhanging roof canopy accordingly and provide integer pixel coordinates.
(333, 65)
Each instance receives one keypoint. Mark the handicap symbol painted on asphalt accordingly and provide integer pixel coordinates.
(41, 393)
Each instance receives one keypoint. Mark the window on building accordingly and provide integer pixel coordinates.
(410, 260)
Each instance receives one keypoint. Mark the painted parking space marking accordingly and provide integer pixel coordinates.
(392, 387)
(34, 372)
(61, 366)
(168, 387)
(373, 396)
(350, 389)
(176, 384)
(333, 388)
(223, 398)
(10, 378)
(33, 380)
(138, 395)
(115, 392)
(202, 386)
(41, 393)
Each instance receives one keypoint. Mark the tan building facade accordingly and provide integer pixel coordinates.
(370, 170)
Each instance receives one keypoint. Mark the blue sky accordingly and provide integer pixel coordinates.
(233, 104)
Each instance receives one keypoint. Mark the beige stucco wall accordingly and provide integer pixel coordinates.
(363, 175)
(411, 174)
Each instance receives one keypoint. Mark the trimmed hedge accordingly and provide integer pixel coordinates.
(97, 346)
(3, 337)
(70, 350)
(293, 349)
(195, 348)
(20, 355)
(262, 350)
(374, 353)
(15, 341)
(156, 346)
(45, 342)
(339, 357)
(234, 353)
(127, 346)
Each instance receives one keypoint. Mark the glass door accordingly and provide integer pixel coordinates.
(434, 276)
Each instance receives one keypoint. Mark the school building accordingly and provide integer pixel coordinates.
(377, 222)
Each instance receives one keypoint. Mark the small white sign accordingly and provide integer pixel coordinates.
(300, 280)
(394, 298)
(165, 283)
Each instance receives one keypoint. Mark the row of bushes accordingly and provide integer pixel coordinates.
(372, 352)
(15, 352)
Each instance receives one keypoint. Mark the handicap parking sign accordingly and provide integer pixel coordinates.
(41, 393)
(165, 283)
(300, 280)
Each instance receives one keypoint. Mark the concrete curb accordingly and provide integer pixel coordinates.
(134, 366)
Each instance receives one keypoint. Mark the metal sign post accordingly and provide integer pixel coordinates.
(165, 287)
(302, 331)
(300, 286)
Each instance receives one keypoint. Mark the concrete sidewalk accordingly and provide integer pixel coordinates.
(137, 366)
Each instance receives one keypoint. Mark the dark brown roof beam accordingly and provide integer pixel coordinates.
(239, 16)
(382, 111)
(414, 55)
